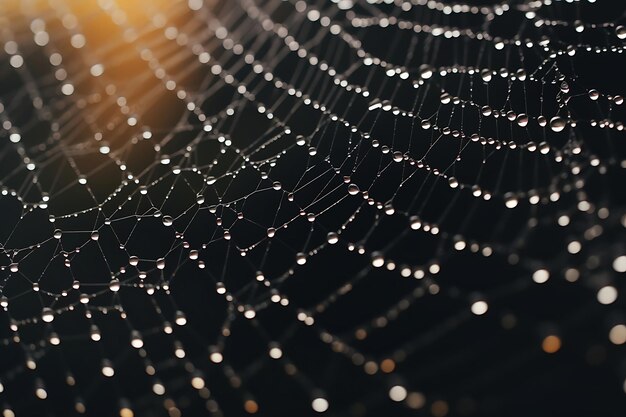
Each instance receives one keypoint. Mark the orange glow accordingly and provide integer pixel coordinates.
(126, 412)
(251, 406)
(439, 408)
(551, 344)
(387, 366)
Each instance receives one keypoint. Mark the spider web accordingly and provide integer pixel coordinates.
(290, 207)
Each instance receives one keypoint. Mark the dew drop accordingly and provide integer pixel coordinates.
(416, 223)
(557, 124)
(426, 71)
(114, 285)
(510, 200)
(377, 259)
(47, 315)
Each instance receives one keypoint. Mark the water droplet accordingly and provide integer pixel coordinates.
(105, 148)
(114, 285)
(375, 104)
(510, 200)
(319, 405)
(541, 275)
(180, 318)
(557, 124)
(47, 315)
(426, 71)
(377, 259)
(135, 339)
(479, 307)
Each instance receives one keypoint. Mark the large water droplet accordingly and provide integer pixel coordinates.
(47, 315)
(557, 124)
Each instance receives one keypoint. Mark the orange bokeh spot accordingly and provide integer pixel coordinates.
(387, 366)
(251, 406)
(551, 344)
